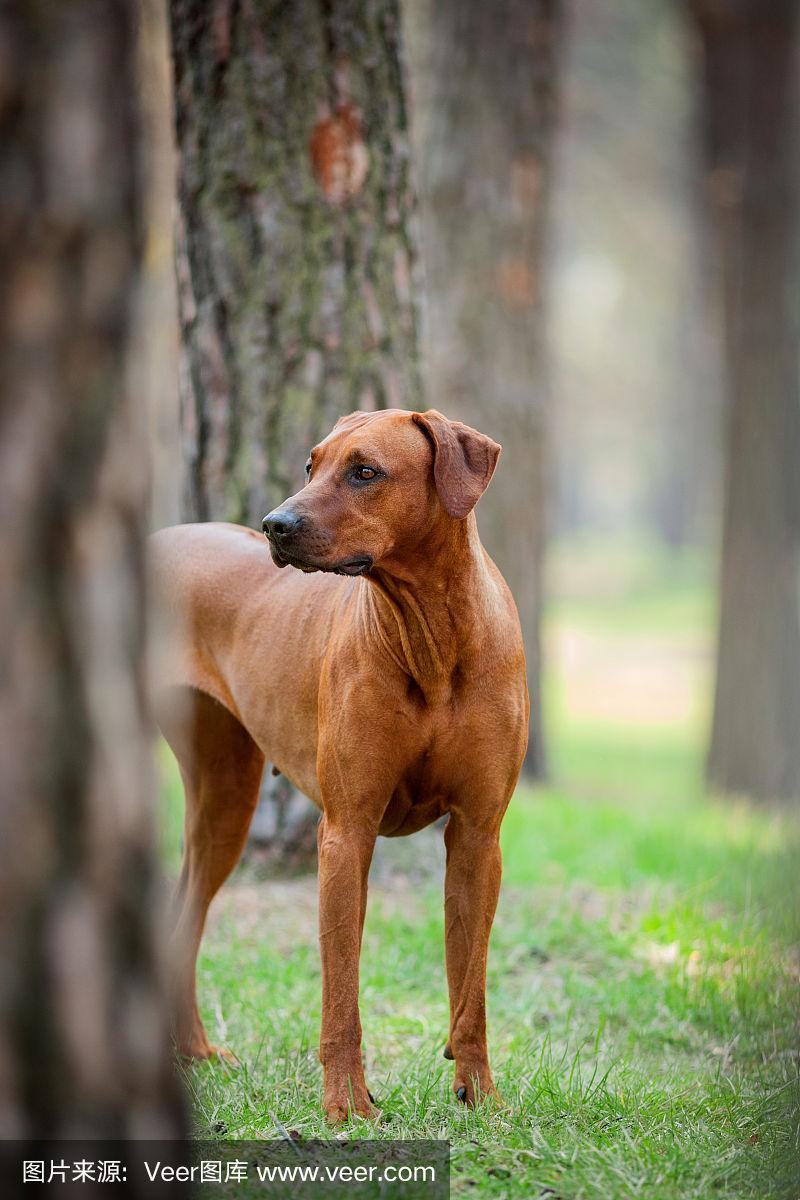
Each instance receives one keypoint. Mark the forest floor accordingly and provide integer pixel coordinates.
(644, 971)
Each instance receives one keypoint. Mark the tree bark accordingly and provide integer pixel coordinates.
(484, 100)
(296, 261)
(159, 295)
(84, 1047)
(752, 140)
(295, 256)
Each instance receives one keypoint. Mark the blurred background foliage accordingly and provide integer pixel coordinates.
(637, 407)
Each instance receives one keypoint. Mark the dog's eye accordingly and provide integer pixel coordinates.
(363, 474)
(308, 467)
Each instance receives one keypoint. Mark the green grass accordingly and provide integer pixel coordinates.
(643, 990)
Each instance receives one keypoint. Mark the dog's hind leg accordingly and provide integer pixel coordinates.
(221, 768)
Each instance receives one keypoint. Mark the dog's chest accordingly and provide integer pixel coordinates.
(424, 790)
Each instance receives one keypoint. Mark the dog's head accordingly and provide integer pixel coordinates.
(376, 487)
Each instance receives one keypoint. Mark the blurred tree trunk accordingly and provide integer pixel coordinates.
(84, 1047)
(484, 82)
(159, 303)
(752, 109)
(685, 477)
(295, 254)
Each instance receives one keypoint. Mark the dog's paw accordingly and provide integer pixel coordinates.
(474, 1087)
(224, 1055)
(345, 1100)
(338, 1112)
(202, 1051)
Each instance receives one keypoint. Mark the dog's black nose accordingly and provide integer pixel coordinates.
(280, 524)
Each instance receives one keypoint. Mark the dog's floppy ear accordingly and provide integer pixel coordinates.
(463, 461)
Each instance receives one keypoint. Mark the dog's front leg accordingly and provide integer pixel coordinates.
(345, 853)
(472, 885)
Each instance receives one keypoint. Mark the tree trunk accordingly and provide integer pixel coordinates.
(295, 252)
(84, 1047)
(295, 260)
(752, 102)
(484, 97)
(159, 297)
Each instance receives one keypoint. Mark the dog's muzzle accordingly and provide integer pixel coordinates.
(281, 525)
(283, 528)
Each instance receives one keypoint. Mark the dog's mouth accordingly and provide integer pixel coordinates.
(354, 566)
(283, 559)
(350, 566)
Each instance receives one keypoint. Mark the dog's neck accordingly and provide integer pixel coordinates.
(431, 610)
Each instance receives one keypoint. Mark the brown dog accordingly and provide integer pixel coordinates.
(389, 687)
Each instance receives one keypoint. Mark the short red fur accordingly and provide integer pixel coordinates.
(384, 675)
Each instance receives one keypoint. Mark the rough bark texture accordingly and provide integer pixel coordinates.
(295, 259)
(84, 1049)
(752, 138)
(484, 99)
